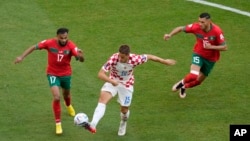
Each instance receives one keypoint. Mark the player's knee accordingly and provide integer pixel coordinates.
(197, 83)
(56, 96)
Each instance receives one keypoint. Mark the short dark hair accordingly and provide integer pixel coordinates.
(124, 49)
(62, 30)
(205, 15)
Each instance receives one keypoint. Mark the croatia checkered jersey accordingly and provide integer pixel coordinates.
(214, 37)
(58, 57)
(123, 72)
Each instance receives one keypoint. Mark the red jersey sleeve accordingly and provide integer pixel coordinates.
(43, 44)
(220, 37)
(73, 48)
(190, 28)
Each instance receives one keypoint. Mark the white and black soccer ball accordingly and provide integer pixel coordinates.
(80, 119)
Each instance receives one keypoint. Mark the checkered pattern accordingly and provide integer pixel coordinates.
(123, 72)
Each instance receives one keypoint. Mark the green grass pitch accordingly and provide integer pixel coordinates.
(99, 27)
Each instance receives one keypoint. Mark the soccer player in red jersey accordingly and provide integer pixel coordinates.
(60, 50)
(120, 82)
(206, 52)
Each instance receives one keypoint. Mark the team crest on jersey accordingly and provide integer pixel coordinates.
(211, 38)
(66, 52)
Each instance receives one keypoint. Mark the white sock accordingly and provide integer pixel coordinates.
(98, 114)
(125, 117)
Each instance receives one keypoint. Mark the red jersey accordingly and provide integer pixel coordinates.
(214, 37)
(59, 57)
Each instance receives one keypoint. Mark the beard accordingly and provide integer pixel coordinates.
(62, 43)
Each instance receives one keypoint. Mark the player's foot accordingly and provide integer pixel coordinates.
(71, 110)
(182, 93)
(59, 128)
(122, 128)
(177, 86)
(88, 127)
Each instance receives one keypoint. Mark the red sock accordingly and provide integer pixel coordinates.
(67, 100)
(57, 110)
(190, 77)
(192, 84)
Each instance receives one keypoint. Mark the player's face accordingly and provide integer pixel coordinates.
(123, 58)
(62, 39)
(204, 24)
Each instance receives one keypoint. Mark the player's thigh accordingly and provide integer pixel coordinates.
(105, 97)
(65, 82)
(207, 67)
(53, 80)
(125, 95)
(108, 87)
(197, 60)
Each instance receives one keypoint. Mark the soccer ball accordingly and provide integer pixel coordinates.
(80, 119)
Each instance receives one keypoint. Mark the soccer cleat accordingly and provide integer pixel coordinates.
(122, 128)
(177, 86)
(59, 128)
(71, 110)
(88, 127)
(182, 93)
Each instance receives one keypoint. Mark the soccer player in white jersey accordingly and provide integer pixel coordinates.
(120, 81)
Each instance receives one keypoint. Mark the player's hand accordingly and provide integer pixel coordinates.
(80, 55)
(166, 36)
(115, 83)
(170, 62)
(18, 60)
(79, 51)
(208, 46)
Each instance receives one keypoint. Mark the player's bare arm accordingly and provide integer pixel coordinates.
(173, 32)
(219, 47)
(161, 60)
(25, 53)
(103, 76)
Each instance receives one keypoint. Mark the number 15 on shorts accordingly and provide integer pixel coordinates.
(127, 100)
